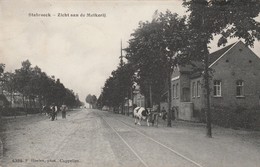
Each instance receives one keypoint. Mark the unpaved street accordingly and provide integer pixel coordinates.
(98, 138)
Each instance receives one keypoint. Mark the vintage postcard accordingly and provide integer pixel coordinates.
(152, 83)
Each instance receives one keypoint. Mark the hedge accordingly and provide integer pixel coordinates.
(234, 118)
(19, 111)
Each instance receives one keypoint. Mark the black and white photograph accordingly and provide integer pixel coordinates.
(138, 83)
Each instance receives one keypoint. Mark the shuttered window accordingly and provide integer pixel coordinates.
(240, 88)
(217, 88)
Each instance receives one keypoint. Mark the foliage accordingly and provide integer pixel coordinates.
(2, 67)
(237, 117)
(92, 100)
(169, 40)
(13, 111)
(4, 100)
(153, 53)
(228, 18)
(34, 84)
(117, 87)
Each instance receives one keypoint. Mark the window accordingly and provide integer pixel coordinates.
(217, 88)
(198, 88)
(240, 88)
(193, 89)
(177, 87)
(173, 91)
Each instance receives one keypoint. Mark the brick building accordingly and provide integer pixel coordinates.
(235, 82)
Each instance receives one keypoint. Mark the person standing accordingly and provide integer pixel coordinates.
(53, 112)
(173, 113)
(164, 114)
(63, 111)
(56, 112)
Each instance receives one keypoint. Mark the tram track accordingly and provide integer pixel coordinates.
(135, 129)
(163, 145)
(136, 154)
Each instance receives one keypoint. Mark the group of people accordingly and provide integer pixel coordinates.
(52, 111)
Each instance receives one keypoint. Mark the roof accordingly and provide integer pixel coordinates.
(213, 57)
(217, 54)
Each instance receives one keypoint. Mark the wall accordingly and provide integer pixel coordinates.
(164, 105)
(240, 63)
(186, 111)
(138, 100)
(175, 100)
(198, 99)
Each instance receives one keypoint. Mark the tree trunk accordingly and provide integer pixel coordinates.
(207, 87)
(23, 102)
(128, 105)
(169, 123)
(122, 108)
(30, 102)
(34, 103)
(132, 98)
(24, 105)
(150, 94)
(206, 75)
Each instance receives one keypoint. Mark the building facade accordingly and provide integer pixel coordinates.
(235, 82)
(138, 98)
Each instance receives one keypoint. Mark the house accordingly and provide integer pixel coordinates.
(138, 98)
(235, 82)
(164, 100)
(16, 100)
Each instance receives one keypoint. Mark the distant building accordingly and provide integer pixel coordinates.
(16, 100)
(138, 98)
(235, 82)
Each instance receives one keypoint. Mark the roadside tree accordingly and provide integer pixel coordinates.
(227, 18)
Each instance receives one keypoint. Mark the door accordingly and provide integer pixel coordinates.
(186, 94)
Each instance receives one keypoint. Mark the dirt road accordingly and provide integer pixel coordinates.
(97, 138)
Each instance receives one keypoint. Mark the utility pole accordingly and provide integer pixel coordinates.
(169, 123)
(121, 65)
(2, 92)
(121, 56)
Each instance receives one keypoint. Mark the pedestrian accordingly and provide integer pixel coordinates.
(173, 113)
(164, 114)
(53, 111)
(63, 111)
(56, 112)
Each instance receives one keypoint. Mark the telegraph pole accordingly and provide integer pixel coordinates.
(121, 65)
(121, 56)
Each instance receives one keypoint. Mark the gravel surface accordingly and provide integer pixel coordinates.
(97, 138)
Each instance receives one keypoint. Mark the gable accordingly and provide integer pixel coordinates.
(231, 49)
(220, 56)
(214, 56)
(238, 63)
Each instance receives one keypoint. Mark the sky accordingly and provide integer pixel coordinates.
(80, 51)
